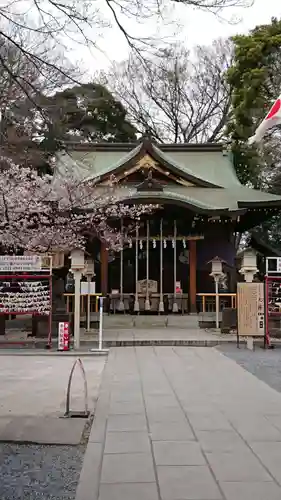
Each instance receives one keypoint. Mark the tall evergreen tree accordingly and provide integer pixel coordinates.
(255, 80)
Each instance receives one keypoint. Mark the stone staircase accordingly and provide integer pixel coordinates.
(123, 322)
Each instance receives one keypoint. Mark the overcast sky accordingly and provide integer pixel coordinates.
(197, 27)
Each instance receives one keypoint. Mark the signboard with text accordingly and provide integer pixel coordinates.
(250, 309)
(63, 337)
(150, 284)
(20, 263)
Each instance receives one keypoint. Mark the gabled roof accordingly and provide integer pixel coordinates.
(200, 177)
(148, 148)
(205, 165)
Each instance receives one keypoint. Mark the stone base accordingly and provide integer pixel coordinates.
(40, 324)
(2, 325)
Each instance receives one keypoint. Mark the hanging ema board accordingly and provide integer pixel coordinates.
(250, 309)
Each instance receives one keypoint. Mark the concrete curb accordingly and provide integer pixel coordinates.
(89, 349)
(38, 352)
(88, 484)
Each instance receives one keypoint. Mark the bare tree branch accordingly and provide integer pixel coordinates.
(176, 96)
(54, 21)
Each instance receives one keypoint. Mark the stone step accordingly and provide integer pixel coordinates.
(183, 321)
(151, 321)
(120, 321)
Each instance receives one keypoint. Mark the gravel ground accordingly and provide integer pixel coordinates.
(264, 364)
(39, 472)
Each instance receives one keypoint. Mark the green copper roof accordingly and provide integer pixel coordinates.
(212, 167)
(206, 199)
(217, 189)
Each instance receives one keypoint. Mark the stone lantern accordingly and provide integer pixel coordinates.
(249, 265)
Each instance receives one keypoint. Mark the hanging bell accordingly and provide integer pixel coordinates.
(154, 244)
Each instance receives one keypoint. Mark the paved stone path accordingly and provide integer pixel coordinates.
(182, 424)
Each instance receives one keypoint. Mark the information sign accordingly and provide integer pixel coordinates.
(63, 337)
(20, 263)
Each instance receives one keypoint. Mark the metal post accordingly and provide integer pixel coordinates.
(86, 412)
(136, 304)
(147, 302)
(217, 301)
(161, 303)
(77, 279)
(89, 304)
(100, 349)
(101, 323)
(121, 302)
(175, 304)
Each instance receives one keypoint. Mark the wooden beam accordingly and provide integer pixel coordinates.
(169, 238)
(192, 276)
(104, 269)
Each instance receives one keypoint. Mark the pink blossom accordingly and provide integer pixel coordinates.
(41, 213)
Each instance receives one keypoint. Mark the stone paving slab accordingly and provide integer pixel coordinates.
(127, 468)
(42, 430)
(178, 453)
(188, 483)
(127, 442)
(249, 490)
(126, 423)
(177, 423)
(135, 491)
(237, 466)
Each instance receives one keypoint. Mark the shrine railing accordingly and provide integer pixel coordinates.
(94, 302)
(206, 302)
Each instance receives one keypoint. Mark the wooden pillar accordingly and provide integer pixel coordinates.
(192, 276)
(104, 269)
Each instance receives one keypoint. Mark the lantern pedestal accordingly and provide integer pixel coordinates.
(77, 267)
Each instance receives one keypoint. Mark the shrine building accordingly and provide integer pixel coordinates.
(202, 206)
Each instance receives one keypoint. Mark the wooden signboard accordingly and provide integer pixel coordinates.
(250, 309)
(152, 286)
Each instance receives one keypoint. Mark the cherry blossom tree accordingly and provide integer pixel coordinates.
(52, 213)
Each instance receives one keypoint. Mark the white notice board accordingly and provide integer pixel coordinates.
(84, 289)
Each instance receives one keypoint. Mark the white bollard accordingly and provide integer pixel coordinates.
(101, 323)
(100, 349)
(217, 304)
(89, 304)
(77, 279)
